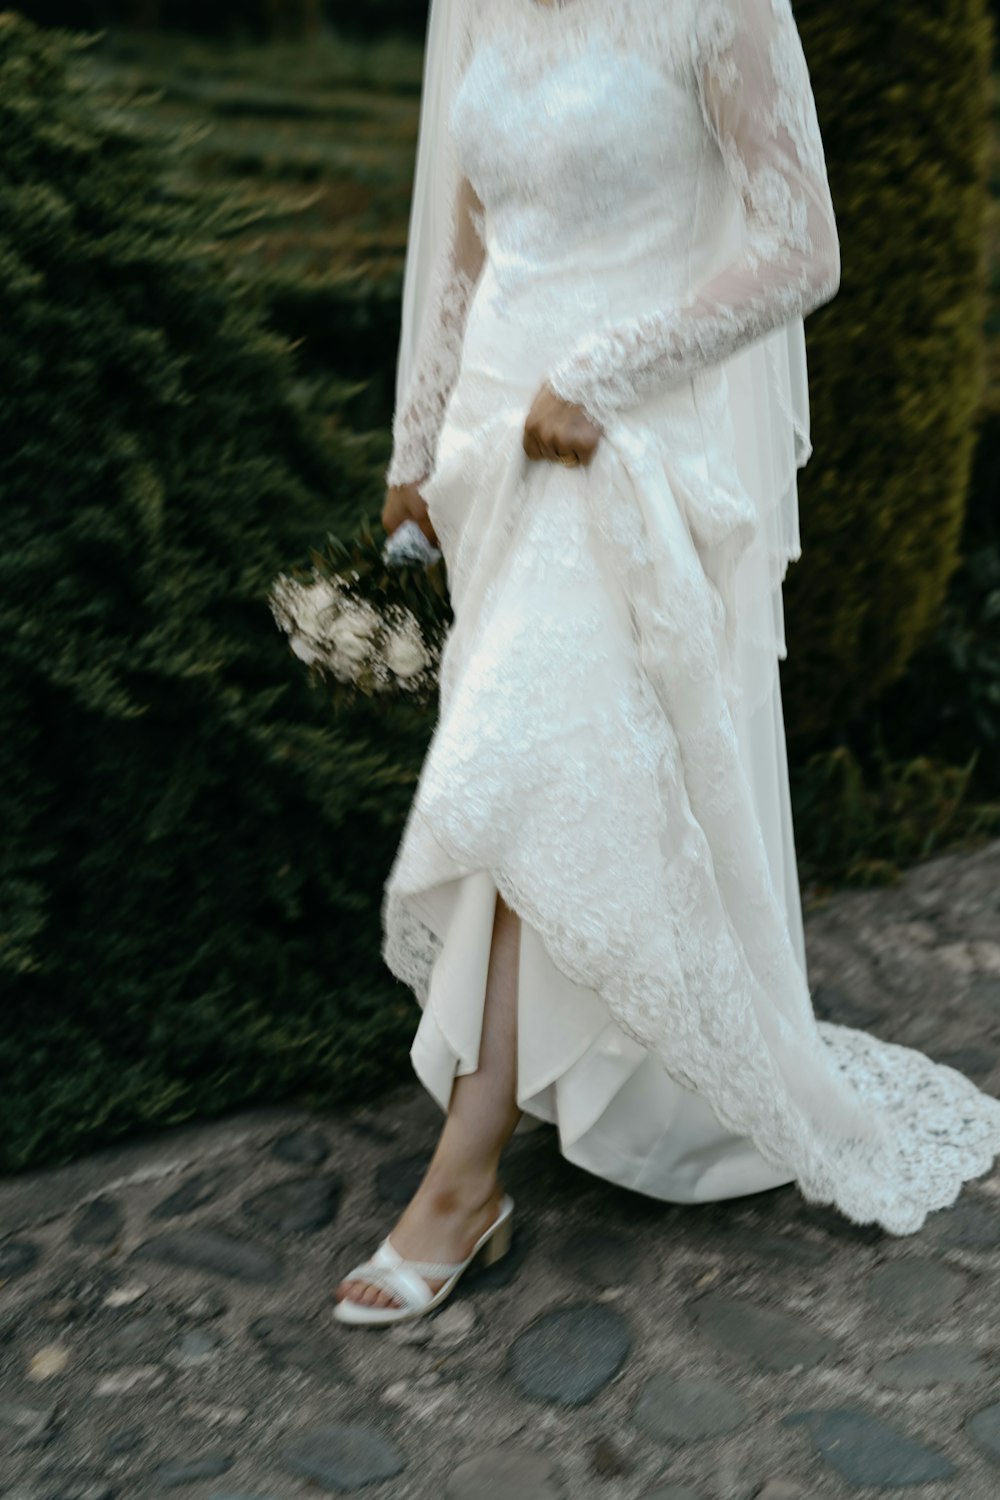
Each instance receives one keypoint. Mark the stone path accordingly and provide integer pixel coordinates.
(164, 1319)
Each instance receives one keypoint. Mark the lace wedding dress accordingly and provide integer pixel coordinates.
(590, 759)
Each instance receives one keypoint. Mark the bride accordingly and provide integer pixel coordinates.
(621, 216)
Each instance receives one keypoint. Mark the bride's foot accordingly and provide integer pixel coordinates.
(442, 1222)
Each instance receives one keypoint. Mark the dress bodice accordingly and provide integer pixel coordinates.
(642, 181)
(586, 157)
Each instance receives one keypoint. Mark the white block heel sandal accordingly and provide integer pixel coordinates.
(406, 1279)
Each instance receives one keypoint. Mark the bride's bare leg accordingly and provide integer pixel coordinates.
(459, 1196)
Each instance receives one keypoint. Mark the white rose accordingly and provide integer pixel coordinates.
(304, 650)
(350, 635)
(404, 653)
(311, 603)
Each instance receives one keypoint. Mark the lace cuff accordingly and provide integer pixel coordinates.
(757, 102)
(418, 420)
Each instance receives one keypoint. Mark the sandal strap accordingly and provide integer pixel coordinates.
(406, 1280)
(440, 1270)
(436, 1270)
(405, 1285)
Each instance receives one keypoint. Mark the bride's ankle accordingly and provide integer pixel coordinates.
(449, 1192)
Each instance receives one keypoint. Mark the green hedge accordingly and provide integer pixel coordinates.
(194, 847)
(259, 18)
(902, 88)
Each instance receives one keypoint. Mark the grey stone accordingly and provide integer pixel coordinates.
(125, 1296)
(931, 1364)
(231, 1495)
(80, 1489)
(299, 1207)
(567, 1356)
(215, 1250)
(504, 1474)
(139, 1336)
(196, 1347)
(177, 1471)
(17, 1258)
(100, 1222)
(916, 1290)
(670, 1492)
(59, 1310)
(984, 1429)
(786, 1249)
(834, 1223)
(864, 1450)
(452, 1325)
(10, 1323)
(984, 991)
(300, 1344)
(209, 1304)
(966, 1226)
(342, 1456)
(397, 1181)
(688, 1408)
(306, 1148)
(24, 1425)
(128, 1381)
(371, 1130)
(126, 1440)
(975, 1062)
(782, 1489)
(200, 1188)
(833, 1004)
(600, 1257)
(606, 1459)
(774, 1340)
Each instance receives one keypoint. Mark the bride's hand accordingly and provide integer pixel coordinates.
(404, 502)
(556, 429)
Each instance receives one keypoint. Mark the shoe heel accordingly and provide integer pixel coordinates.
(497, 1245)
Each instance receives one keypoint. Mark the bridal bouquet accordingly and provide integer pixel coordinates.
(369, 619)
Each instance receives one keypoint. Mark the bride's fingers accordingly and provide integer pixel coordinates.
(418, 513)
(548, 448)
(427, 529)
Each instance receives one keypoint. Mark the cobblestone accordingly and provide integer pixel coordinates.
(164, 1307)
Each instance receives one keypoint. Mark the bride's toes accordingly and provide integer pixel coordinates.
(370, 1296)
(357, 1291)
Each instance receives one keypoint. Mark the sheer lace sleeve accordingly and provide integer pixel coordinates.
(418, 419)
(756, 99)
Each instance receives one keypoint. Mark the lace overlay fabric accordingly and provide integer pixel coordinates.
(646, 185)
(704, 106)
(756, 101)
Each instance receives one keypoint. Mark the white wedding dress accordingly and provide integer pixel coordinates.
(590, 760)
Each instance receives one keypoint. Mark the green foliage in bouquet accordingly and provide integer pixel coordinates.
(896, 360)
(193, 846)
